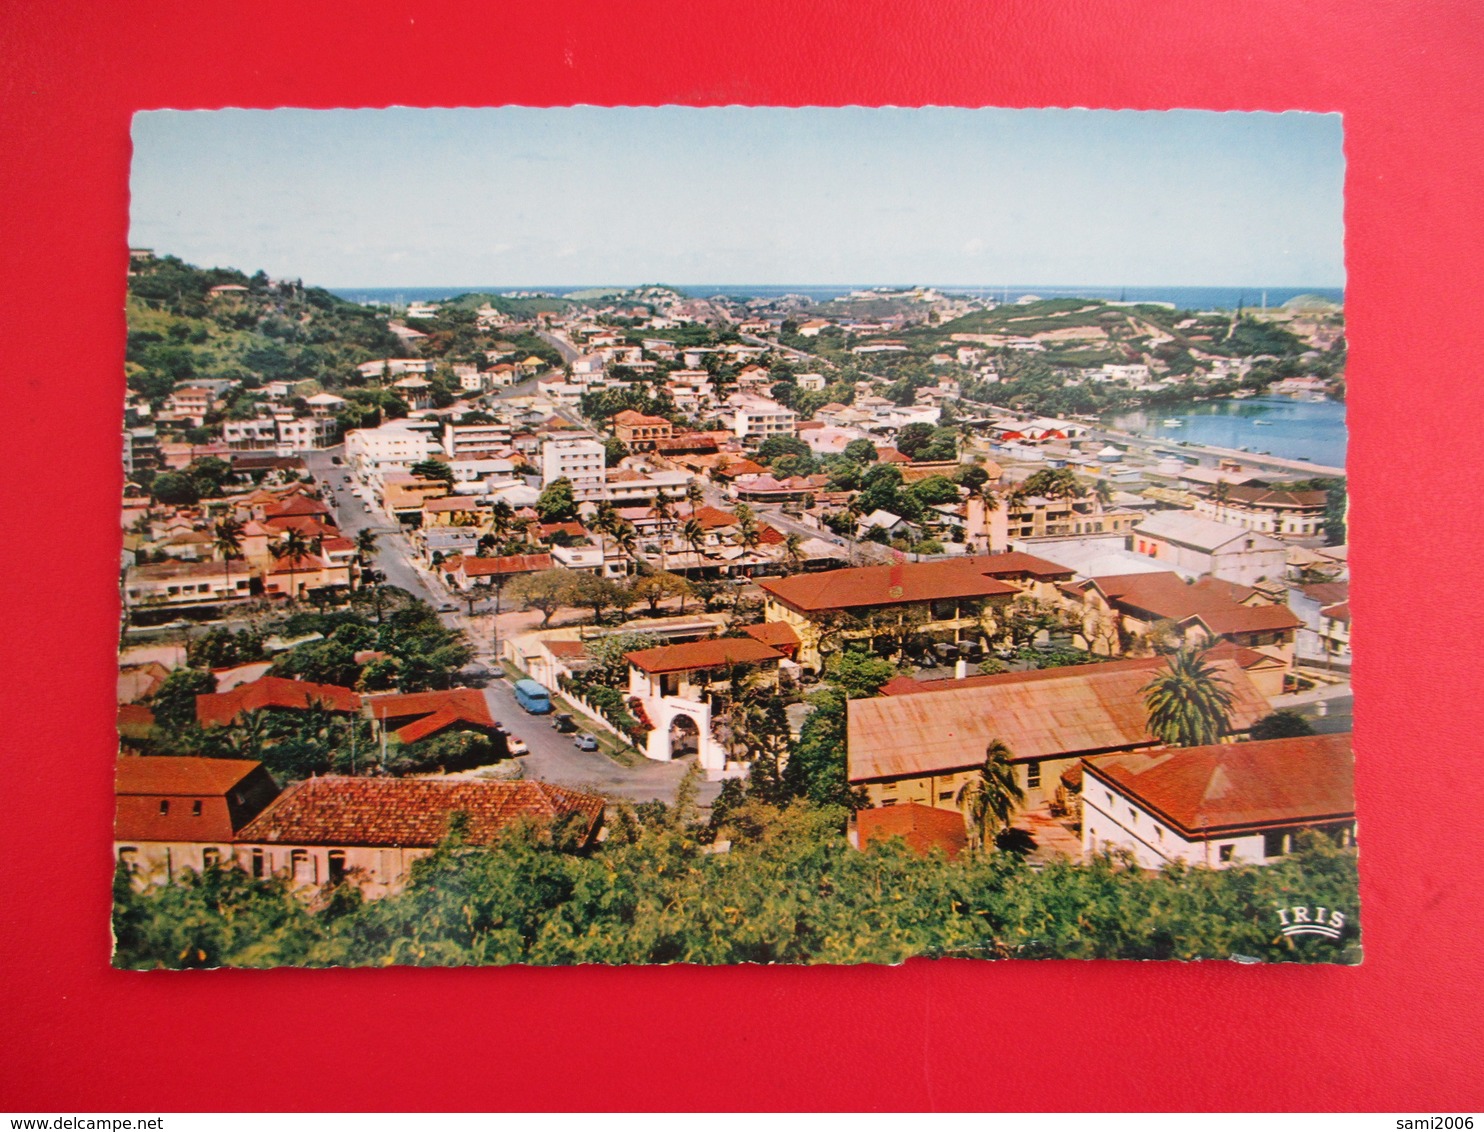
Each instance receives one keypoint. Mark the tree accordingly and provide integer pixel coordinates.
(1189, 704)
(972, 477)
(604, 522)
(1054, 483)
(365, 545)
(775, 446)
(175, 488)
(990, 797)
(174, 704)
(557, 503)
(749, 535)
(546, 590)
(227, 542)
(598, 594)
(695, 494)
(913, 438)
(858, 674)
(293, 547)
(1286, 724)
(860, 451)
(433, 470)
(695, 536)
(655, 588)
(614, 450)
(793, 552)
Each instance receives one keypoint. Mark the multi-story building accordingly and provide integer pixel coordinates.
(955, 598)
(1283, 514)
(579, 459)
(394, 447)
(470, 441)
(1034, 516)
(303, 434)
(256, 435)
(640, 433)
(754, 419)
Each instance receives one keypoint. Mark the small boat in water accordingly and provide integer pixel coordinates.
(1172, 422)
(1262, 424)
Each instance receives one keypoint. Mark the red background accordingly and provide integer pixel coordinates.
(1402, 1032)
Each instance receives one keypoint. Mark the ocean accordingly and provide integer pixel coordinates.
(1186, 298)
(1282, 426)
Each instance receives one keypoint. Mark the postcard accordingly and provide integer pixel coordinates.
(734, 535)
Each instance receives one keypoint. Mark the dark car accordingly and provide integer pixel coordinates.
(585, 742)
(563, 723)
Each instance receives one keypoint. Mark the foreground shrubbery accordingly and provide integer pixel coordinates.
(790, 891)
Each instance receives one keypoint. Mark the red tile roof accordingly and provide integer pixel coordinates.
(472, 567)
(295, 505)
(1166, 595)
(1232, 788)
(411, 812)
(702, 654)
(220, 709)
(1273, 497)
(976, 576)
(417, 715)
(1340, 612)
(156, 797)
(135, 721)
(923, 828)
(1051, 713)
(711, 518)
(1326, 593)
(779, 635)
(576, 530)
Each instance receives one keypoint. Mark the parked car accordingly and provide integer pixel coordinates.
(516, 746)
(563, 723)
(448, 607)
(585, 742)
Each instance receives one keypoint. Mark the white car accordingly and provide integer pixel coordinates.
(516, 746)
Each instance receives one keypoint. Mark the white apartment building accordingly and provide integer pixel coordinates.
(251, 436)
(756, 418)
(305, 434)
(577, 458)
(394, 447)
(460, 441)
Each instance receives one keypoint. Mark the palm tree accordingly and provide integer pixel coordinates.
(991, 797)
(293, 546)
(1219, 496)
(365, 545)
(626, 538)
(695, 495)
(695, 535)
(1189, 704)
(228, 543)
(605, 522)
(665, 513)
(748, 533)
(793, 552)
(501, 516)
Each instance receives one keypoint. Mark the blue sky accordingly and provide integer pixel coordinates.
(585, 195)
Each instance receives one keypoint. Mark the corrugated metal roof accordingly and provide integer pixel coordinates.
(1056, 712)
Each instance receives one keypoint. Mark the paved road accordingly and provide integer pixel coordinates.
(393, 551)
(554, 758)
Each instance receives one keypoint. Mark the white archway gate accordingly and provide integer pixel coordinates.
(663, 711)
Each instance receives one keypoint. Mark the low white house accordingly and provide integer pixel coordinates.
(1222, 805)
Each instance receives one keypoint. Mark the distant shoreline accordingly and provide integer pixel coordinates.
(1185, 298)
